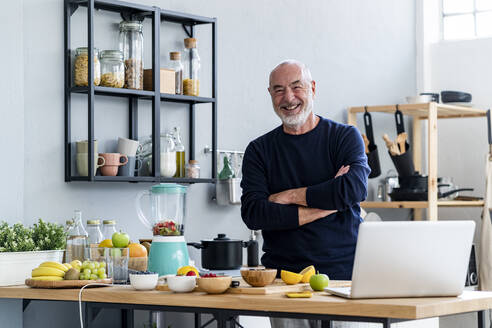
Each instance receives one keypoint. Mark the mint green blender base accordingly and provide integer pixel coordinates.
(167, 257)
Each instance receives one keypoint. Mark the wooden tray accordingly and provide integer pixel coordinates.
(278, 286)
(64, 283)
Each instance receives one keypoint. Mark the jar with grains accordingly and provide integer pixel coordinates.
(81, 71)
(131, 45)
(193, 169)
(112, 69)
(191, 79)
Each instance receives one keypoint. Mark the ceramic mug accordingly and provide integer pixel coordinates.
(129, 169)
(82, 161)
(128, 147)
(83, 146)
(112, 162)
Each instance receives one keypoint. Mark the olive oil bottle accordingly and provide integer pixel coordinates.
(180, 154)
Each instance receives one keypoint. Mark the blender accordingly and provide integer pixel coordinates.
(168, 250)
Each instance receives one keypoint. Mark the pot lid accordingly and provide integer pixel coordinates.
(221, 237)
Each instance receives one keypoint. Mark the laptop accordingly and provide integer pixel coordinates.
(410, 259)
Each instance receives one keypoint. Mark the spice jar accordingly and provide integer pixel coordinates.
(131, 45)
(112, 69)
(191, 82)
(82, 67)
(193, 169)
(176, 65)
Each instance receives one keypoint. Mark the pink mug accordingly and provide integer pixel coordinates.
(112, 162)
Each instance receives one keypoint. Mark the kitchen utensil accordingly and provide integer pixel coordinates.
(253, 250)
(372, 148)
(112, 162)
(168, 250)
(221, 253)
(366, 143)
(127, 146)
(404, 161)
(401, 140)
(434, 96)
(392, 146)
(403, 194)
(418, 99)
(214, 285)
(390, 182)
(258, 277)
(129, 169)
(144, 281)
(65, 283)
(181, 284)
(455, 96)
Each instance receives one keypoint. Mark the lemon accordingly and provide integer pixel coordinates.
(307, 273)
(185, 269)
(290, 278)
(106, 243)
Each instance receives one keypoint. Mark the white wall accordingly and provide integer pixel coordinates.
(359, 53)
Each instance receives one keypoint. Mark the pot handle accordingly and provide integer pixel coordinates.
(196, 245)
(444, 194)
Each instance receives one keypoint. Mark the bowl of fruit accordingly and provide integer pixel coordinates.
(214, 284)
(143, 280)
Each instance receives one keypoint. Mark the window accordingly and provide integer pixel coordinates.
(463, 19)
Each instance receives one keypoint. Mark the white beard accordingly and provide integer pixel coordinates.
(296, 121)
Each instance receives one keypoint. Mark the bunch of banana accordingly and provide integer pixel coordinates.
(52, 271)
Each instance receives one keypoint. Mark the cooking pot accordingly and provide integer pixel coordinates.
(222, 253)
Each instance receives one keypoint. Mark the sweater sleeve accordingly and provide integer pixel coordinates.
(349, 189)
(257, 212)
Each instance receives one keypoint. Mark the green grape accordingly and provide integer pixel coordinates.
(83, 277)
(102, 264)
(85, 264)
(87, 272)
(91, 266)
(102, 276)
(101, 271)
(93, 277)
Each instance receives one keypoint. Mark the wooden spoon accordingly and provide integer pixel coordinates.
(392, 147)
(366, 143)
(401, 140)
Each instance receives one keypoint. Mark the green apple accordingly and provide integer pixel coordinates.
(319, 281)
(120, 239)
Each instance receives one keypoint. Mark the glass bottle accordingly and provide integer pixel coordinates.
(81, 69)
(95, 235)
(168, 156)
(193, 169)
(131, 45)
(109, 228)
(180, 154)
(76, 239)
(191, 82)
(112, 69)
(176, 65)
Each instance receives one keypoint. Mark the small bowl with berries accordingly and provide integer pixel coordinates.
(213, 284)
(182, 283)
(143, 280)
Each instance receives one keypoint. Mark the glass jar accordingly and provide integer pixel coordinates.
(109, 228)
(76, 239)
(180, 154)
(191, 82)
(168, 156)
(176, 65)
(131, 45)
(95, 235)
(112, 69)
(193, 169)
(81, 70)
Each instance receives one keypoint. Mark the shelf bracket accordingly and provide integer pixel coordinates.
(73, 7)
(25, 304)
(187, 30)
(132, 16)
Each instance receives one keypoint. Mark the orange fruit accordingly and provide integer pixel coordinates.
(106, 243)
(137, 250)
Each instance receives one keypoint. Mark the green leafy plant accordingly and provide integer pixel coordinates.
(48, 236)
(42, 236)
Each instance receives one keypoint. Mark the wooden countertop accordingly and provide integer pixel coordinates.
(320, 303)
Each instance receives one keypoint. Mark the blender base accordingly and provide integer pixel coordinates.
(168, 254)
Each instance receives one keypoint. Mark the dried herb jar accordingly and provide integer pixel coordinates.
(112, 69)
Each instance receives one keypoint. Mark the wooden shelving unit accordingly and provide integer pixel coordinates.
(431, 112)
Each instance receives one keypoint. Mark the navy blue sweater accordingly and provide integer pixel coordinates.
(278, 161)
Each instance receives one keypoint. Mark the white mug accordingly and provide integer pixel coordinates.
(127, 147)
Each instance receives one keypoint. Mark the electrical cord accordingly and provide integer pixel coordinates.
(80, 298)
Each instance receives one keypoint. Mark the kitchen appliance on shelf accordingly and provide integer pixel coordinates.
(166, 205)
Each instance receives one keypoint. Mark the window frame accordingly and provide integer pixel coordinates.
(474, 12)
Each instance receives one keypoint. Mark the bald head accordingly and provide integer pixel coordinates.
(306, 73)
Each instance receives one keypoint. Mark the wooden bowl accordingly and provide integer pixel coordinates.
(214, 285)
(138, 263)
(259, 277)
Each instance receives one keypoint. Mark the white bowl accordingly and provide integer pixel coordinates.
(418, 99)
(181, 284)
(144, 281)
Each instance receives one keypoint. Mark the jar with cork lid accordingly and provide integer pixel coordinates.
(193, 169)
(176, 65)
(191, 81)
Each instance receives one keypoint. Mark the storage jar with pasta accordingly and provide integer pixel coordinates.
(131, 45)
(112, 69)
(81, 69)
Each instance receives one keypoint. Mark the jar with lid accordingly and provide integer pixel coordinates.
(76, 239)
(131, 45)
(168, 156)
(112, 69)
(109, 228)
(193, 169)
(176, 65)
(95, 235)
(191, 82)
(81, 67)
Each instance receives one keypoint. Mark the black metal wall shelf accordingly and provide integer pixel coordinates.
(157, 16)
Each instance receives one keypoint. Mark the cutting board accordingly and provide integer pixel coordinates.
(64, 283)
(278, 286)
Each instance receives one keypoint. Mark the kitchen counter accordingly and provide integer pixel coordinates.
(320, 306)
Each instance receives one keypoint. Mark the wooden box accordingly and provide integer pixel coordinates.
(168, 81)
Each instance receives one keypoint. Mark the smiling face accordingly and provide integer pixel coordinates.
(292, 94)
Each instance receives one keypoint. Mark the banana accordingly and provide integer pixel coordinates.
(49, 278)
(56, 265)
(47, 271)
(67, 265)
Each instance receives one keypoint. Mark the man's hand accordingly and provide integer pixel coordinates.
(308, 215)
(290, 196)
(343, 170)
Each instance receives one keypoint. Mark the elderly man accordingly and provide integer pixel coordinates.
(303, 181)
